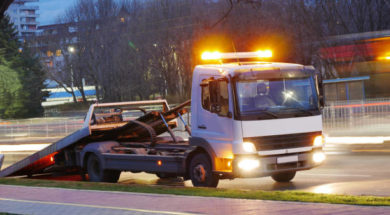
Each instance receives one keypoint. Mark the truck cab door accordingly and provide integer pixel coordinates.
(214, 121)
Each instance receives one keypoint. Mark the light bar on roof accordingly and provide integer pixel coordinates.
(236, 55)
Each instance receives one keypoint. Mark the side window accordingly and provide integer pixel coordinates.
(215, 96)
(205, 97)
(223, 98)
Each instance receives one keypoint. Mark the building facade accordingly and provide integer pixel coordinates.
(24, 15)
(359, 64)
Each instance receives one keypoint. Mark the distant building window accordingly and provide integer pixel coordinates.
(72, 29)
(49, 53)
(122, 19)
(49, 64)
(58, 52)
(29, 12)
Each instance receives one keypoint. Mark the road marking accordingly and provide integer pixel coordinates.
(95, 206)
(336, 175)
(357, 140)
(336, 153)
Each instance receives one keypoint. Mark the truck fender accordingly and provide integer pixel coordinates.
(201, 145)
(97, 148)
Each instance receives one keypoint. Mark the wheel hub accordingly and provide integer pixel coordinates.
(200, 173)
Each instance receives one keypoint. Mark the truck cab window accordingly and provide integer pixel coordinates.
(223, 98)
(205, 97)
(219, 97)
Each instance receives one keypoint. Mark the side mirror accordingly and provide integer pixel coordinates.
(229, 115)
(321, 100)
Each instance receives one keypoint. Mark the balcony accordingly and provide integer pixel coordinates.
(27, 30)
(35, 15)
(28, 7)
(24, 22)
(25, 1)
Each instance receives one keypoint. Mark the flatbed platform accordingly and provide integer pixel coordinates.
(147, 126)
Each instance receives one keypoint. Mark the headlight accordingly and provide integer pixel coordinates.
(249, 147)
(248, 164)
(318, 141)
(318, 157)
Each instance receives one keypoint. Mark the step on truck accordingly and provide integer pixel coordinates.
(248, 119)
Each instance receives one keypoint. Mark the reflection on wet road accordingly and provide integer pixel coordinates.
(354, 174)
(342, 173)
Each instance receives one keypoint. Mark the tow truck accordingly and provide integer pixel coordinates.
(248, 119)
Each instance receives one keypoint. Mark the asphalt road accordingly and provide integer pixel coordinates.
(357, 170)
(361, 173)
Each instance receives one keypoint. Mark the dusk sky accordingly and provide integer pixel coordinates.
(49, 10)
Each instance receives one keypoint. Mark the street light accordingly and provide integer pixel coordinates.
(71, 50)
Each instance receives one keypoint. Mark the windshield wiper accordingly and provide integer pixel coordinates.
(270, 113)
(301, 109)
(264, 111)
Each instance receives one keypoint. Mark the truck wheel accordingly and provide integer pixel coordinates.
(201, 172)
(97, 174)
(283, 176)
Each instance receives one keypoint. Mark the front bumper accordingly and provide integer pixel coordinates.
(270, 165)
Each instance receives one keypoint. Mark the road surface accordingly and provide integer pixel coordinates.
(352, 174)
(33, 200)
(357, 170)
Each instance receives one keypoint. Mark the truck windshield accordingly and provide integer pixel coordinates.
(276, 98)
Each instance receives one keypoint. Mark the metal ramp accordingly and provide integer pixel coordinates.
(147, 126)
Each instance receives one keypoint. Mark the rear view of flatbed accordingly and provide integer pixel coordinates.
(117, 141)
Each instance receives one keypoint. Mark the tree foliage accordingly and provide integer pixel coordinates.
(138, 49)
(21, 77)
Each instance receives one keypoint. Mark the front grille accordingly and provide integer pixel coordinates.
(285, 141)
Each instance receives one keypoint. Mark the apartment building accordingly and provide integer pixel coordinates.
(24, 15)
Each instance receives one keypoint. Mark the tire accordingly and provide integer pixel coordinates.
(97, 174)
(284, 176)
(166, 175)
(201, 172)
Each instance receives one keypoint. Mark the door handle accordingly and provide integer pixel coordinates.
(202, 127)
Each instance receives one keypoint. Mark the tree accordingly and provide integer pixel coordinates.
(140, 49)
(21, 77)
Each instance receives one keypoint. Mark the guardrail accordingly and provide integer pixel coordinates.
(38, 128)
(370, 117)
(58, 127)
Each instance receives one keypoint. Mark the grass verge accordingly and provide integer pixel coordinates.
(297, 196)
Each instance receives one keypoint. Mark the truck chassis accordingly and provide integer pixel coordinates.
(104, 149)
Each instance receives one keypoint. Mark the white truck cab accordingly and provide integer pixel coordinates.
(257, 118)
(249, 119)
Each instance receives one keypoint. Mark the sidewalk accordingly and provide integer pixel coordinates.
(34, 200)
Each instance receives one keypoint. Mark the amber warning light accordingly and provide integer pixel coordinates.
(236, 55)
